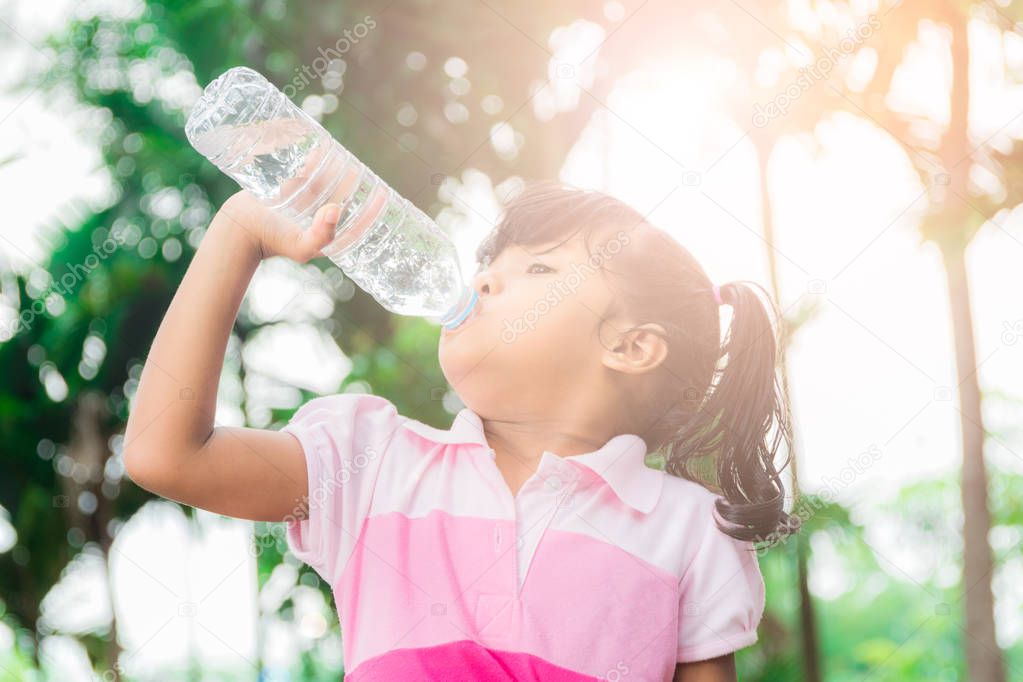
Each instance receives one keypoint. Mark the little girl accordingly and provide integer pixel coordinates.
(530, 540)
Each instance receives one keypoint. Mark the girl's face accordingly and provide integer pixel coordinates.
(532, 341)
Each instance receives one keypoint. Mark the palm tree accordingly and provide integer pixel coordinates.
(956, 211)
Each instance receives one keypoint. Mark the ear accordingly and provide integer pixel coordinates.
(638, 350)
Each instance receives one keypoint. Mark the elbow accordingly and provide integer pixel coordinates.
(138, 468)
(137, 462)
(148, 471)
(153, 462)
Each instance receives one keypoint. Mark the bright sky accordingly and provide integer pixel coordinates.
(874, 369)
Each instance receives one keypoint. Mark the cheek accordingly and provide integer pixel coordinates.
(557, 339)
(529, 332)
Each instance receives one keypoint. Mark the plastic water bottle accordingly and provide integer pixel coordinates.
(275, 150)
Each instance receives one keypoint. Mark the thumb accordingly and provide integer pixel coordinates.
(321, 233)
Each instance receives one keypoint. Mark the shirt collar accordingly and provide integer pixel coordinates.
(620, 461)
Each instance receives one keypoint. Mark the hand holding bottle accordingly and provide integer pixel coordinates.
(271, 234)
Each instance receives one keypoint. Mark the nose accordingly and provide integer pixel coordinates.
(486, 283)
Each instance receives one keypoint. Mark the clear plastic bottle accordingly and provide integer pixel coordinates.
(271, 147)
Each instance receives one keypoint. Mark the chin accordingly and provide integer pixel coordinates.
(461, 364)
(474, 367)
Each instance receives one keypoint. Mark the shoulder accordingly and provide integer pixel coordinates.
(345, 403)
(684, 498)
(693, 508)
(346, 417)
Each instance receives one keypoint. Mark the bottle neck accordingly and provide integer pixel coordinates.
(460, 311)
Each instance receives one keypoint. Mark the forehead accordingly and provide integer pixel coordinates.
(580, 244)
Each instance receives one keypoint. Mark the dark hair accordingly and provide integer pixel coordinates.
(712, 424)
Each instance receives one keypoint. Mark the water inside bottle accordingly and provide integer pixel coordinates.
(273, 149)
(265, 157)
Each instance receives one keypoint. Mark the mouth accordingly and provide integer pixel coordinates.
(473, 314)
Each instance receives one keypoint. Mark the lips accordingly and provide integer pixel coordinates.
(473, 314)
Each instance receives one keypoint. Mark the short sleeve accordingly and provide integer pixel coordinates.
(722, 597)
(344, 438)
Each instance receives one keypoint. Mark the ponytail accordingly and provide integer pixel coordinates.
(731, 432)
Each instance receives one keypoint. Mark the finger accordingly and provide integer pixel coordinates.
(321, 233)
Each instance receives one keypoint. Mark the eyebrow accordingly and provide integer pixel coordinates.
(521, 253)
(557, 246)
(549, 250)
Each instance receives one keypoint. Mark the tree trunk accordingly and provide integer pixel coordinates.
(807, 618)
(88, 448)
(983, 657)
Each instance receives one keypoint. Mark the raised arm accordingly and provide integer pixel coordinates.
(172, 446)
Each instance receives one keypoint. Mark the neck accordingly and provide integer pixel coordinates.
(569, 430)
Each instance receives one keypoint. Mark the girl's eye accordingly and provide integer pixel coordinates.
(530, 268)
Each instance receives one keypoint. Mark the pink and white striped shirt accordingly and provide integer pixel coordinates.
(599, 568)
